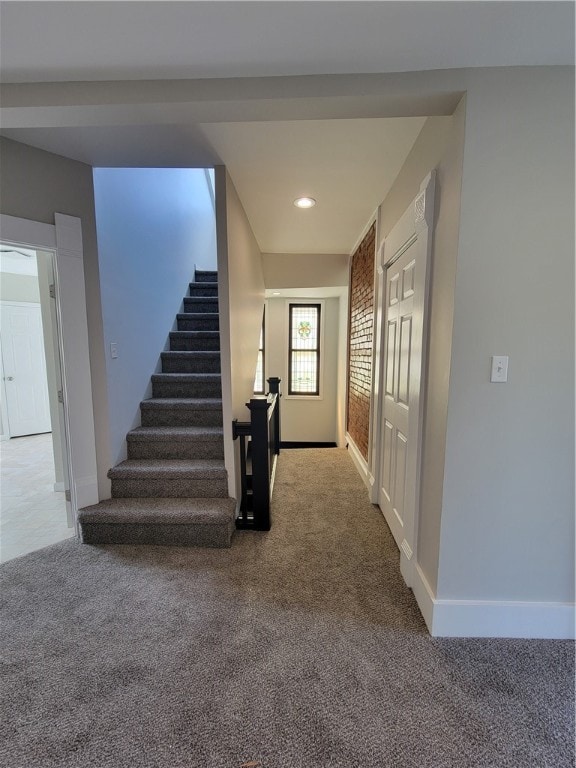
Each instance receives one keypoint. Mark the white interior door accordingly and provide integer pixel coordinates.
(24, 369)
(404, 267)
(396, 412)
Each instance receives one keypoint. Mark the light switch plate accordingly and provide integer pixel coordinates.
(113, 350)
(499, 373)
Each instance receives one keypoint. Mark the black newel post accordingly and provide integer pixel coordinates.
(260, 462)
(274, 384)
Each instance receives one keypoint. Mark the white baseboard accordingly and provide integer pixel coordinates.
(59, 487)
(493, 618)
(360, 464)
(424, 596)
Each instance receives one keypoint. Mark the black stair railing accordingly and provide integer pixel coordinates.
(259, 441)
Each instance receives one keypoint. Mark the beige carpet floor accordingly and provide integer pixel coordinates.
(296, 648)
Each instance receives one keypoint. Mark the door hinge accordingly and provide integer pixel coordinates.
(60, 396)
(67, 496)
(52, 291)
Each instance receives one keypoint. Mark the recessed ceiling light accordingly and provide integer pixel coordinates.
(275, 293)
(304, 202)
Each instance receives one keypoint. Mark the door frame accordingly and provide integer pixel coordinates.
(64, 240)
(420, 214)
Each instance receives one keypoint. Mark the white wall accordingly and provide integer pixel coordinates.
(241, 292)
(154, 225)
(305, 419)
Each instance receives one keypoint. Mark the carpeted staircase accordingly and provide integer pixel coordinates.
(173, 489)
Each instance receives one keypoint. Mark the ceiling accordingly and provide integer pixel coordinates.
(47, 41)
(347, 164)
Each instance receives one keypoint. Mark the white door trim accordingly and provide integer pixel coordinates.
(64, 239)
(3, 408)
(418, 220)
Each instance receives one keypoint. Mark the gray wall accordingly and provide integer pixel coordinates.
(34, 185)
(241, 303)
(508, 507)
(301, 270)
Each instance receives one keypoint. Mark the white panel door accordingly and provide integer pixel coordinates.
(399, 298)
(24, 364)
(402, 318)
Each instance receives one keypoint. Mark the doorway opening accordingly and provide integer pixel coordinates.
(34, 497)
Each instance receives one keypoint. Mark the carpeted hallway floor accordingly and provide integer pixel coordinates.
(299, 647)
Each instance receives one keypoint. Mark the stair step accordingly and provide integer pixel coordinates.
(191, 362)
(181, 412)
(197, 304)
(205, 276)
(207, 321)
(194, 341)
(169, 478)
(204, 289)
(176, 443)
(206, 522)
(187, 385)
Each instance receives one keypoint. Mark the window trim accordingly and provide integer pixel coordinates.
(317, 395)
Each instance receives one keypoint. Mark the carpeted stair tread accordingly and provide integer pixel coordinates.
(195, 304)
(175, 511)
(206, 276)
(195, 341)
(201, 321)
(181, 412)
(193, 315)
(186, 376)
(177, 434)
(191, 354)
(183, 403)
(167, 468)
(196, 334)
(186, 385)
(201, 354)
(197, 288)
(191, 361)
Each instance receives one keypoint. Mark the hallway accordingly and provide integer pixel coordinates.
(299, 647)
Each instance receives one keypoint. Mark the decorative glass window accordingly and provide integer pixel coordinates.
(259, 378)
(304, 349)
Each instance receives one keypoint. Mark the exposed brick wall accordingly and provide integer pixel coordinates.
(360, 342)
